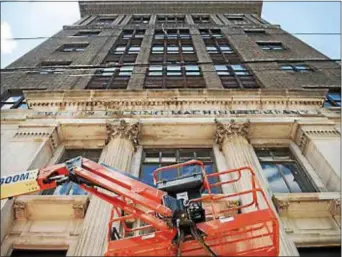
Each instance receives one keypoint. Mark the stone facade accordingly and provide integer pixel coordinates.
(286, 111)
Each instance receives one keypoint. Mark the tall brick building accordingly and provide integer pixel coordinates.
(137, 85)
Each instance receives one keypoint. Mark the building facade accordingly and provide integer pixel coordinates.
(138, 85)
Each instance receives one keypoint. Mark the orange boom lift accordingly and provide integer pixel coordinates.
(179, 216)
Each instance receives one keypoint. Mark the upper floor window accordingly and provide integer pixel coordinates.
(174, 76)
(172, 34)
(255, 32)
(155, 158)
(236, 19)
(236, 76)
(201, 19)
(51, 67)
(170, 19)
(283, 172)
(213, 49)
(13, 99)
(333, 98)
(73, 47)
(87, 33)
(72, 188)
(271, 45)
(211, 33)
(103, 20)
(111, 78)
(130, 33)
(295, 68)
(140, 19)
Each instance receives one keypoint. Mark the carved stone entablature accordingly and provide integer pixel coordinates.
(124, 130)
(231, 129)
(119, 100)
(20, 211)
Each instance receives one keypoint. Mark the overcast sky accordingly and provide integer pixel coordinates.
(23, 19)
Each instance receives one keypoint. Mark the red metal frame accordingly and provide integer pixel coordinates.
(252, 230)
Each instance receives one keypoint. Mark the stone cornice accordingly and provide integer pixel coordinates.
(175, 6)
(230, 129)
(121, 99)
(124, 130)
(307, 132)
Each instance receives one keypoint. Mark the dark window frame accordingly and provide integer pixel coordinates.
(74, 47)
(271, 46)
(69, 186)
(140, 19)
(289, 67)
(104, 20)
(177, 154)
(278, 157)
(202, 19)
(237, 19)
(16, 103)
(173, 19)
(87, 33)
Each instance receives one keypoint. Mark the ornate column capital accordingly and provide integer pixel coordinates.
(124, 130)
(231, 129)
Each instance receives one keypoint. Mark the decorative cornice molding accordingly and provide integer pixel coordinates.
(231, 129)
(124, 130)
(306, 133)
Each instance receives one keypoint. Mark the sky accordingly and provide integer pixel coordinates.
(44, 19)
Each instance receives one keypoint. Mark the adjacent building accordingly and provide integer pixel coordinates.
(141, 84)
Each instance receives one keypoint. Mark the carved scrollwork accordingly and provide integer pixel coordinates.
(224, 131)
(124, 130)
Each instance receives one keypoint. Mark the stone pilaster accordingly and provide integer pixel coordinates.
(118, 153)
(232, 139)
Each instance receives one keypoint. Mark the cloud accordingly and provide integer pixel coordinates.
(7, 45)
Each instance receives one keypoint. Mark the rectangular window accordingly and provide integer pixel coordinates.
(174, 76)
(237, 19)
(72, 188)
(273, 46)
(155, 158)
(140, 19)
(202, 19)
(13, 99)
(283, 172)
(88, 33)
(255, 32)
(50, 67)
(170, 19)
(103, 21)
(235, 76)
(172, 46)
(295, 68)
(333, 98)
(73, 47)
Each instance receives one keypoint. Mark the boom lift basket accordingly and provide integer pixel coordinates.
(247, 229)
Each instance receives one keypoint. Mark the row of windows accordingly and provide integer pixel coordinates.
(281, 169)
(180, 19)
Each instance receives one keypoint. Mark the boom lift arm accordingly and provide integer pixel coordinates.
(177, 221)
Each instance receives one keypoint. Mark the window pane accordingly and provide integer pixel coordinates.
(286, 67)
(334, 96)
(274, 178)
(237, 67)
(173, 68)
(155, 73)
(126, 68)
(146, 175)
(6, 106)
(13, 99)
(191, 68)
(221, 67)
(156, 68)
(287, 169)
(23, 106)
